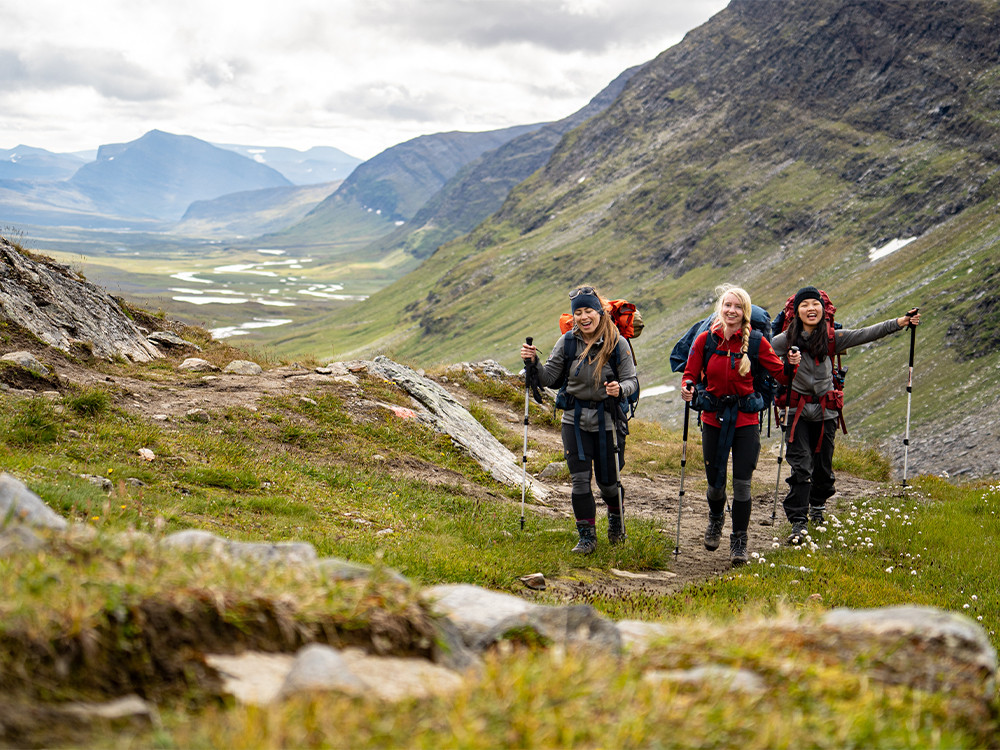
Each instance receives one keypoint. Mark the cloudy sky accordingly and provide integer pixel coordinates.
(360, 75)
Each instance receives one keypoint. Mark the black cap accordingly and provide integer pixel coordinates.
(806, 292)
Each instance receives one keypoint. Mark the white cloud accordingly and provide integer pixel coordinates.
(360, 75)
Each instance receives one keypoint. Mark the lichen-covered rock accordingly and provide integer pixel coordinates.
(62, 308)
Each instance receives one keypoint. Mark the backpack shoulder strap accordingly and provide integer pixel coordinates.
(569, 348)
(569, 354)
(753, 347)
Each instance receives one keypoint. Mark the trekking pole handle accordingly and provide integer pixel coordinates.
(527, 342)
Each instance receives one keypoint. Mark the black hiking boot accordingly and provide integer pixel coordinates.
(616, 529)
(798, 535)
(738, 549)
(713, 534)
(816, 514)
(588, 539)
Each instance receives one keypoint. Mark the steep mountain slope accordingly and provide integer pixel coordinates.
(390, 188)
(480, 188)
(159, 175)
(775, 146)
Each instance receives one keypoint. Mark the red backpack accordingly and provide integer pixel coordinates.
(834, 399)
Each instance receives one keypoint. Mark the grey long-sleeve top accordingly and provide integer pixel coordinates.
(580, 377)
(816, 378)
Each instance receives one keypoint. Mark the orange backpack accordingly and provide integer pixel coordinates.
(623, 313)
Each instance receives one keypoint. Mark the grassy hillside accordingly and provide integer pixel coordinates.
(774, 147)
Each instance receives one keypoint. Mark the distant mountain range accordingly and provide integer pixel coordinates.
(27, 163)
(159, 175)
(152, 181)
(480, 187)
(315, 165)
(252, 212)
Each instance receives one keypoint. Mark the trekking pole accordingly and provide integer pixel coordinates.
(524, 453)
(777, 480)
(684, 455)
(618, 475)
(909, 395)
(781, 452)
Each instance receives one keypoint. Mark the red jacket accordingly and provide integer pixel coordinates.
(723, 380)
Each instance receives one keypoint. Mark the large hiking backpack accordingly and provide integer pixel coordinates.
(833, 400)
(760, 328)
(629, 323)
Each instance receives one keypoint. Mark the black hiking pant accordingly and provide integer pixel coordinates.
(745, 450)
(811, 482)
(582, 496)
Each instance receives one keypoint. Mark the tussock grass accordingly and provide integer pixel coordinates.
(34, 422)
(862, 460)
(89, 402)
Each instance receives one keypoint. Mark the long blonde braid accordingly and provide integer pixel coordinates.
(745, 360)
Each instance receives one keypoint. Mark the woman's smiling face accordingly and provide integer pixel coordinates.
(732, 311)
(810, 312)
(586, 319)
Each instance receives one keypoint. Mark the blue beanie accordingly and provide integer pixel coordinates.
(587, 300)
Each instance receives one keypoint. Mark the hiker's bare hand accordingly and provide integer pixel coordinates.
(908, 319)
(687, 391)
(794, 357)
(613, 388)
(529, 353)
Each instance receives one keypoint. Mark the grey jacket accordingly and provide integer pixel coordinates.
(816, 379)
(580, 379)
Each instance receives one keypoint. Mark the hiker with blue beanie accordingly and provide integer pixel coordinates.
(601, 372)
(720, 365)
(816, 399)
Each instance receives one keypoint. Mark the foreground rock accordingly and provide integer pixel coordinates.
(451, 418)
(64, 310)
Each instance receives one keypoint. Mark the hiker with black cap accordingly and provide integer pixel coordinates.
(815, 401)
(592, 388)
(720, 365)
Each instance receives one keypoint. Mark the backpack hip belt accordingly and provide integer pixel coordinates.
(752, 403)
(832, 400)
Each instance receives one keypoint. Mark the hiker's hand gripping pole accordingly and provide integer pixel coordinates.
(687, 384)
(909, 390)
(524, 453)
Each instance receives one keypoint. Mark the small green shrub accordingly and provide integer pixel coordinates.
(34, 422)
(89, 403)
